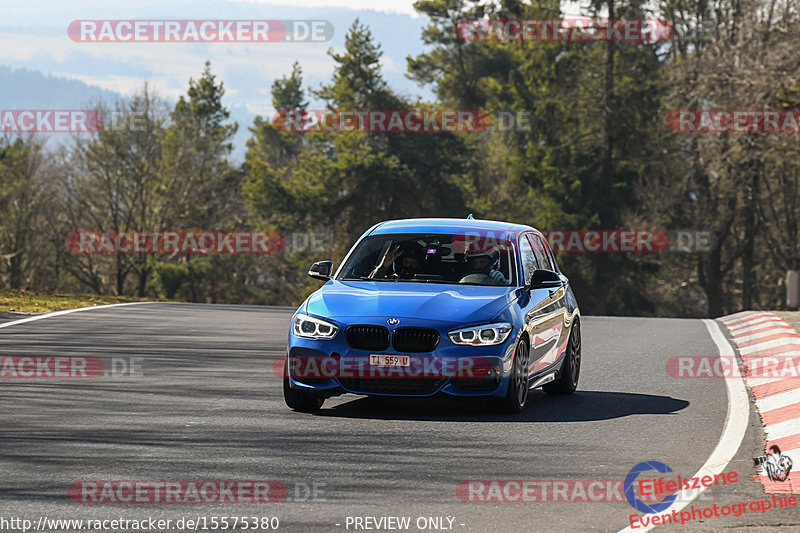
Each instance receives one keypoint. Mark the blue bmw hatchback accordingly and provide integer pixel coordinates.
(425, 307)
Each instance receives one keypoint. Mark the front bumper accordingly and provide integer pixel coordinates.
(331, 367)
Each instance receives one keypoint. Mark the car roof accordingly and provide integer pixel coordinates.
(446, 225)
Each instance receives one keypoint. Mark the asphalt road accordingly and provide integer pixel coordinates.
(203, 403)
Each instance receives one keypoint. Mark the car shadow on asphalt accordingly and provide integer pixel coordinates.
(583, 406)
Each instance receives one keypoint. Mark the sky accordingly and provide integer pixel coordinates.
(33, 36)
(404, 7)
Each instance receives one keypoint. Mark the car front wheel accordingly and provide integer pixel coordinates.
(299, 400)
(517, 394)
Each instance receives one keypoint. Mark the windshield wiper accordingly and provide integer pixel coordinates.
(366, 278)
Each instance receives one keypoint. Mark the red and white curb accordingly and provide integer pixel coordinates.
(758, 336)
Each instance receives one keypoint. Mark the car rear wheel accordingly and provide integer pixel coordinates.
(299, 400)
(571, 368)
(517, 394)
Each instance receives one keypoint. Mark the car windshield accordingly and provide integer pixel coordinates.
(463, 259)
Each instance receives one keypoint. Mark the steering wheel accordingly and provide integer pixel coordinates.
(478, 278)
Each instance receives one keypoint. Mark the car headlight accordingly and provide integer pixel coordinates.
(487, 335)
(313, 328)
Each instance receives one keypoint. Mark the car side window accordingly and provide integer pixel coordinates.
(550, 255)
(542, 253)
(529, 263)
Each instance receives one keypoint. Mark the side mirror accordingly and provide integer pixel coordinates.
(545, 279)
(321, 270)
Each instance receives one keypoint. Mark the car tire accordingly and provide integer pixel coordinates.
(299, 400)
(517, 395)
(570, 368)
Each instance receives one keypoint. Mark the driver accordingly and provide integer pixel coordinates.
(485, 262)
(402, 261)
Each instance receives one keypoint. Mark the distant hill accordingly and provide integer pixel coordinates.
(21, 88)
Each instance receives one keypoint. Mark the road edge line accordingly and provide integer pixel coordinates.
(733, 431)
(66, 312)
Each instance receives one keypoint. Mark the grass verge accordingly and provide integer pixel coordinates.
(27, 301)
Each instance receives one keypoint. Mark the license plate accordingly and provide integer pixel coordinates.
(389, 360)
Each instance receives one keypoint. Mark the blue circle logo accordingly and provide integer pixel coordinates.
(635, 502)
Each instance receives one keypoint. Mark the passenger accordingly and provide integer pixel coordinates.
(402, 261)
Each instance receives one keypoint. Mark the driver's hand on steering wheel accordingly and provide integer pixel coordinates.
(498, 277)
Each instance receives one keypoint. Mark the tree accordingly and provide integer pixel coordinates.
(201, 183)
(742, 185)
(203, 188)
(117, 187)
(343, 183)
(576, 169)
(21, 162)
